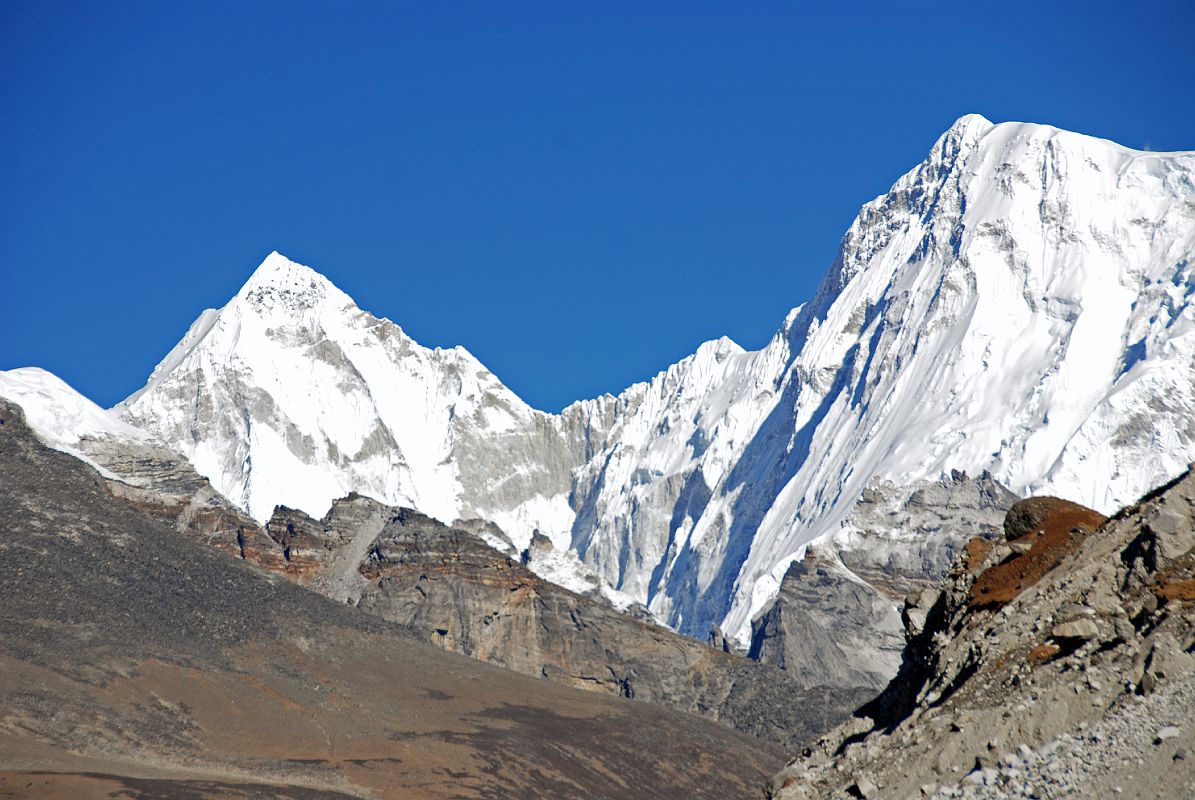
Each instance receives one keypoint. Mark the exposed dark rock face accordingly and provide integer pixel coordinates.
(1039, 515)
(325, 554)
(1056, 661)
(129, 649)
(454, 590)
(539, 544)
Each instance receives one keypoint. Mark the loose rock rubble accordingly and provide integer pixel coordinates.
(1124, 754)
(1059, 662)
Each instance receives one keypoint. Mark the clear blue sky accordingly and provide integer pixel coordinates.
(578, 193)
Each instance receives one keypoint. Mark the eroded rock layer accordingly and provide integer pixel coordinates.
(453, 589)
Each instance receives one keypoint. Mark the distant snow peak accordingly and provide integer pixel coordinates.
(278, 270)
(1018, 303)
(292, 395)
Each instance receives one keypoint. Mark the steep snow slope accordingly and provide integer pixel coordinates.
(1017, 303)
(678, 440)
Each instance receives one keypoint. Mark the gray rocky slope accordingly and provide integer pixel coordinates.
(456, 591)
(137, 661)
(1056, 661)
(836, 619)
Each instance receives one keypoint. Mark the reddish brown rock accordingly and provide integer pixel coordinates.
(1052, 528)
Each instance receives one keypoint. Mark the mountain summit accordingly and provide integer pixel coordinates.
(1018, 304)
(290, 394)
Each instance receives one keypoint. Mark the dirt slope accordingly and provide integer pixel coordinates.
(136, 662)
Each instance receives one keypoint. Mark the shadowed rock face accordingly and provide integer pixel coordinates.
(1056, 661)
(454, 590)
(132, 658)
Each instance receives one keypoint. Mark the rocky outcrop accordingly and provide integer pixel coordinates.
(836, 619)
(1055, 661)
(828, 626)
(195, 509)
(453, 589)
(904, 538)
(1039, 533)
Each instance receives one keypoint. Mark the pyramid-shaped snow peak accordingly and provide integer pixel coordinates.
(280, 284)
(291, 394)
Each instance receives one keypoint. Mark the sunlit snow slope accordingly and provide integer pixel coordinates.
(1019, 302)
(59, 415)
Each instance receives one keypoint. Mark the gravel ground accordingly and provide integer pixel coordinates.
(1142, 749)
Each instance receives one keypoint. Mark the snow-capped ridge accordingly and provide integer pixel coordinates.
(64, 419)
(968, 128)
(195, 334)
(57, 412)
(1019, 302)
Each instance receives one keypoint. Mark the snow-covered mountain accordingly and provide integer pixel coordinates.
(291, 394)
(1017, 303)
